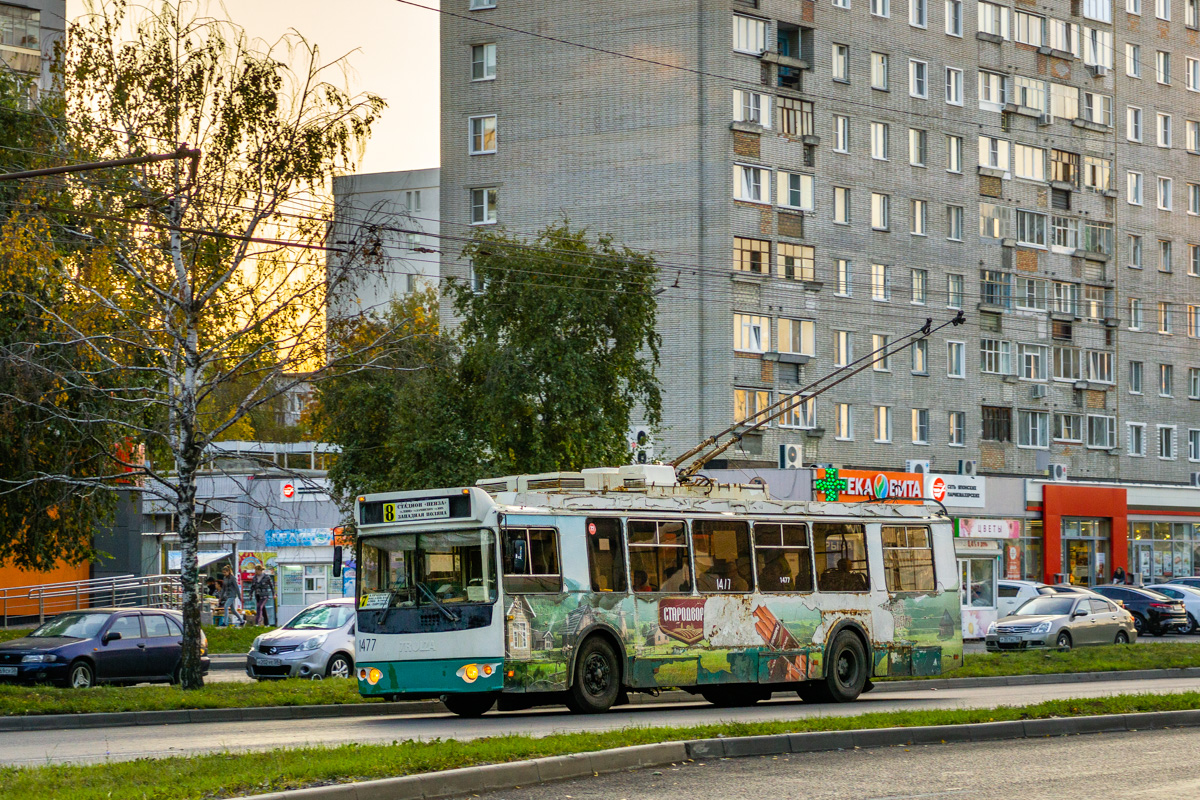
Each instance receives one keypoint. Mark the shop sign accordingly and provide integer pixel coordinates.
(300, 537)
(963, 491)
(682, 619)
(295, 492)
(976, 547)
(249, 559)
(853, 485)
(1012, 561)
(989, 528)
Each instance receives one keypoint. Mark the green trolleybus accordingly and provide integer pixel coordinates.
(582, 587)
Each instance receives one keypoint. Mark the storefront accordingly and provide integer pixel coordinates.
(304, 568)
(984, 547)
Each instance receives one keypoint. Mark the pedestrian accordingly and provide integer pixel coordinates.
(1119, 575)
(263, 589)
(230, 594)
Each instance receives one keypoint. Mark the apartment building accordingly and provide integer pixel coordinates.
(28, 33)
(819, 178)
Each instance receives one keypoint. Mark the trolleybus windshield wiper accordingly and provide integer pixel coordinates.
(450, 615)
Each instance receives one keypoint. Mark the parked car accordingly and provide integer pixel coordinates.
(1153, 612)
(1014, 592)
(100, 645)
(1188, 595)
(317, 643)
(1061, 620)
(1193, 582)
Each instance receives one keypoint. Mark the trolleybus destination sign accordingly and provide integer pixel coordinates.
(424, 508)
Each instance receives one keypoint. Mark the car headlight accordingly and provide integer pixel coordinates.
(1041, 627)
(39, 658)
(254, 644)
(991, 629)
(315, 642)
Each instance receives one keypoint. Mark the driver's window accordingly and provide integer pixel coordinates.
(531, 560)
(129, 627)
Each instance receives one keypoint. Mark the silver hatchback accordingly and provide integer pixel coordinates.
(317, 643)
(1063, 621)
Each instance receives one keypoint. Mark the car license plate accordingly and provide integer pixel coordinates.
(269, 662)
(1009, 639)
(8, 670)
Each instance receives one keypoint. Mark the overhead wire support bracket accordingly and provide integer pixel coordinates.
(182, 152)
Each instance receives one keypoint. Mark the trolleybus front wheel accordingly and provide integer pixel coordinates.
(597, 678)
(474, 704)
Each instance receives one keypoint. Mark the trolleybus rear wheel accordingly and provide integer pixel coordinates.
(474, 704)
(845, 668)
(597, 678)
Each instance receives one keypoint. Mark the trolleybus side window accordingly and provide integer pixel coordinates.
(908, 558)
(606, 557)
(841, 554)
(783, 556)
(658, 556)
(531, 560)
(722, 555)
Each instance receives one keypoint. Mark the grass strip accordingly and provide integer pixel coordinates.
(205, 777)
(220, 640)
(1106, 658)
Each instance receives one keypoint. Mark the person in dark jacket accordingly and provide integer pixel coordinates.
(262, 587)
(230, 594)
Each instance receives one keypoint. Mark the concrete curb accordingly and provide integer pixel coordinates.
(472, 780)
(48, 722)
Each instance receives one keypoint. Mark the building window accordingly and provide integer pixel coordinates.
(483, 134)
(1193, 198)
(919, 217)
(954, 154)
(1064, 167)
(749, 403)
(920, 357)
(1192, 75)
(879, 141)
(1133, 60)
(478, 4)
(918, 13)
(881, 208)
(954, 86)
(879, 71)
(796, 117)
(1135, 314)
(844, 430)
(1030, 162)
(1064, 232)
(1134, 6)
(751, 184)
(1133, 123)
(1164, 130)
(881, 284)
(1033, 362)
(1066, 363)
(1029, 28)
(1164, 318)
(796, 262)
(749, 35)
(1068, 427)
(881, 8)
(752, 107)
(1162, 66)
(918, 146)
(920, 426)
(841, 133)
(1031, 228)
(957, 423)
(1135, 377)
(1193, 321)
(1166, 442)
(955, 367)
(993, 19)
(841, 62)
(796, 190)
(1164, 255)
(1101, 432)
(1100, 366)
(1135, 433)
(1166, 380)
(1194, 444)
(1098, 108)
(993, 153)
(954, 18)
(799, 413)
(750, 255)
(1064, 101)
(483, 206)
(751, 334)
(997, 423)
(883, 359)
(918, 79)
(841, 205)
(1097, 173)
(954, 223)
(1135, 251)
(483, 62)
(995, 356)
(1033, 429)
(842, 268)
(797, 336)
(1194, 383)
(1031, 293)
(996, 288)
(841, 3)
(954, 291)
(883, 424)
(920, 286)
(1030, 93)
(843, 348)
(1133, 185)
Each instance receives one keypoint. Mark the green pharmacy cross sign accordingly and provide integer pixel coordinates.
(830, 485)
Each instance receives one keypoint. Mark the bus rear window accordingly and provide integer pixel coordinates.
(531, 560)
(840, 551)
(722, 555)
(606, 557)
(784, 557)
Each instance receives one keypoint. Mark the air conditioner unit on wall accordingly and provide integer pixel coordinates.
(966, 467)
(1037, 390)
(1057, 472)
(791, 456)
(1097, 70)
(919, 466)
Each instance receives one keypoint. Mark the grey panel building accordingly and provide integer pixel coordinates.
(818, 178)
(28, 33)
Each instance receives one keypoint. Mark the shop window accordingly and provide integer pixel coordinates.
(908, 558)
(978, 582)
(841, 554)
(531, 560)
(658, 556)
(783, 556)
(606, 558)
(722, 555)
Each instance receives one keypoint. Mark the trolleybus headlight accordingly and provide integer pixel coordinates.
(373, 676)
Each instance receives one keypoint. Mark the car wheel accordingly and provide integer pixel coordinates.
(1122, 638)
(1063, 642)
(177, 675)
(339, 667)
(1193, 626)
(474, 704)
(82, 676)
(1139, 624)
(597, 678)
(845, 668)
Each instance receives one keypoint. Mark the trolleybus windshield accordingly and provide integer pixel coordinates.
(439, 569)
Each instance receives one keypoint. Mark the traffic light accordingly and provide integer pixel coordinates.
(641, 445)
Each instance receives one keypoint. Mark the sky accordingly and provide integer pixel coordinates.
(392, 50)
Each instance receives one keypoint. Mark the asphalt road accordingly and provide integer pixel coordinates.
(157, 741)
(1059, 768)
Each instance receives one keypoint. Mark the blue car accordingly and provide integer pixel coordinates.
(103, 645)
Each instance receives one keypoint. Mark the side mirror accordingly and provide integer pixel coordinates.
(1079, 612)
(518, 557)
(337, 561)
(111, 636)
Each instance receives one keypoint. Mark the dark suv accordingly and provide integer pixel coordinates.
(102, 645)
(1152, 612)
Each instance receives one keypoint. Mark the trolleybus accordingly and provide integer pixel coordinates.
(582, 587)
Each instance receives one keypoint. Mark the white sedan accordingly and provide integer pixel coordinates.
(1189, 596)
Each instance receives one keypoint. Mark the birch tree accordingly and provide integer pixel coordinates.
(194, 280)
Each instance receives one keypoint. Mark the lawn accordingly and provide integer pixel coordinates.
(220, 640)
(1108, 658)
(226, 774)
